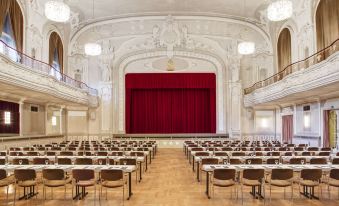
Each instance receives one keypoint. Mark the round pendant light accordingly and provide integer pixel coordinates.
(92, 49)
(246, 48)
(57, 11)
(280, 10)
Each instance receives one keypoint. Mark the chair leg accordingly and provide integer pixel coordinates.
(7, 194)
(106, 193)
(65, 192)
(14, 194)
(242, 195)
(123, 194)
(270, 193)
(95, 192)
(292, 193)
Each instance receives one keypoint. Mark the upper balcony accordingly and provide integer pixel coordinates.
(314, 78)
(23, 77)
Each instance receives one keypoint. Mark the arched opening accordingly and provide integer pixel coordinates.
(56, 52)
(284, 49)
(11, 29)
(327, 23)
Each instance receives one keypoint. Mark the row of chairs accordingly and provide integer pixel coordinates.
(256, 178)
(81, 178)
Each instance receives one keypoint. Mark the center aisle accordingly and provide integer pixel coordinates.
(169, 181)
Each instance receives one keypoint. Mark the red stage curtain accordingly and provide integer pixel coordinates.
(287, 128)
(170, 103)
(12, 128)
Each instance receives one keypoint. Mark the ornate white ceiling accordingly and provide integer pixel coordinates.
(105, 9)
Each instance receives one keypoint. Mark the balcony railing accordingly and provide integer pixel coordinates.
(43, 67)
(297, 66)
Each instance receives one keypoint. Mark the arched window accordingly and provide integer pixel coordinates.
(56, 52)
(284, 49)
(327, 23)
(11, 28)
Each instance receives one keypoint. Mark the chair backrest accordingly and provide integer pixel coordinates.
(235, 161)
(273, 153)
(127, 161)
(138, 154)
(259, 154)
(226, 149)
(238, 154)
(299, 149)
(24, 174)
(83, 174)
(311, 174)
(83, 161)
(313, 149)
(297, 161)
(253, 174)
(334, 174)
(66, 153)
(197, 149)
(50, 153)
(281, 174)
(200, 154)
(3, 154)
(102, 153)
(117, 153)
(209, 161)
(111, 175)
(220, 154)
(53, 174)
(271, 161)
(319, 161)
(254, 161)
(306, 154)
(3, 174)
(326, 149)
(114, 149)
(324, 154)
(32, 153)
(24, 161)
(40, 161)
(64, 161)
(224, 174)
(335, 161)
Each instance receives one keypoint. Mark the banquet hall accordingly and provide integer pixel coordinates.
(171, 102)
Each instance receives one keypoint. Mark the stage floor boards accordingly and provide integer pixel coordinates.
(170, 181)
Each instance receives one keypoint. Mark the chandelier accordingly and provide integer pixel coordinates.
(280, 10)
(57, 11)
(93, 49)
(246, 47)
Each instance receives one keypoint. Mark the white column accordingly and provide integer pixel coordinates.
(46, 119)
(21, 119)
(60, 123)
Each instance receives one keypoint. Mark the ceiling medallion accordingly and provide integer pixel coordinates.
(246, 48)
(57, 11)
(280, 10)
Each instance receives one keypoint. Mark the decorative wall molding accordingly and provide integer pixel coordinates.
(318, 75)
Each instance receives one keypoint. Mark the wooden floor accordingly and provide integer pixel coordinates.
(170, 181)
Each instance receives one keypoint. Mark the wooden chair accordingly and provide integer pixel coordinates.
(310, 178)
(333, 181)
(54, 178)
(23, 161)
(112, 178)
(318, 161)
(224, 178)
(83, 178)
(66, 153)
(281, 178)
(41, 161)
(130, 161)
(253, 178)
(5, 181)
(25, 178)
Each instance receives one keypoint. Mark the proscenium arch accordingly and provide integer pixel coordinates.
(221, 75)
(88, 27)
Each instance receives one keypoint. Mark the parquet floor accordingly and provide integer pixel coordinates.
(170, 181)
